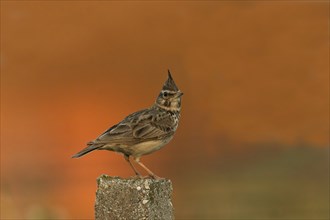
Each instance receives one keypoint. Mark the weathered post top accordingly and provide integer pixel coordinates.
(133, 198)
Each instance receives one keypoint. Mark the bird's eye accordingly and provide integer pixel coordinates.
(165, 94)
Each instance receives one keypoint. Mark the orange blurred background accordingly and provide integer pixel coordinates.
(253, 140)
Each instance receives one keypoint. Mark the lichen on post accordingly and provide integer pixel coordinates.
(133, 198)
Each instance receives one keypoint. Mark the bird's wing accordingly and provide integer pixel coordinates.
(136, 127)
(157, 127)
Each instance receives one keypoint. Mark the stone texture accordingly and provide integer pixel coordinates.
(133, 198)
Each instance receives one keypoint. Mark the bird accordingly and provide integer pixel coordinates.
(143, 132)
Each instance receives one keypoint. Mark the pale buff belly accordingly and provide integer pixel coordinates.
(139, 149)
(147, 147)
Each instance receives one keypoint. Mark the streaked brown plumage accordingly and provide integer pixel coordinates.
(145, 131)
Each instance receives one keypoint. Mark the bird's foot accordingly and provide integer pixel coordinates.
(148, 177)
(153, 176)
(137, 176)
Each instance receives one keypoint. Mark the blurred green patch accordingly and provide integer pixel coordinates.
(270, 183)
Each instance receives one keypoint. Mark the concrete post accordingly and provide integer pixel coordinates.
(133, 198)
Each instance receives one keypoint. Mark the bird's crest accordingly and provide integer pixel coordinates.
(170, 84)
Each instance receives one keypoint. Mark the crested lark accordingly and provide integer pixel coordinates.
(145, 131)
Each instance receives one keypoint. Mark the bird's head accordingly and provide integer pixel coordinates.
(170, 96)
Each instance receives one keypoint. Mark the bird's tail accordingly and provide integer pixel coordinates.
(91, 147)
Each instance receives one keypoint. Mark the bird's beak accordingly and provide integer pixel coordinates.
(179, 94)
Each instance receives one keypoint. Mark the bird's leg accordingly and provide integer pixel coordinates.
(135, 171)
(144, 167)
